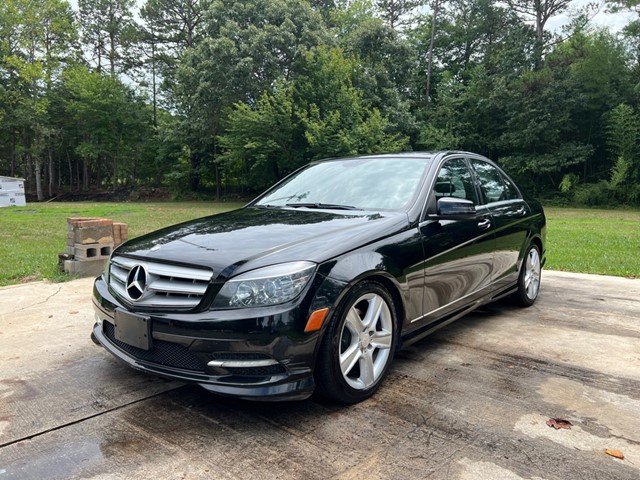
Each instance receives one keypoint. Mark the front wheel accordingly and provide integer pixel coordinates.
(359, 346)
(529, 279)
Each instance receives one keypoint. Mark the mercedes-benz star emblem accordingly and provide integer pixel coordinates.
(136, 282)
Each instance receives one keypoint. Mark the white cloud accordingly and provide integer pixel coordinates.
(614, 21)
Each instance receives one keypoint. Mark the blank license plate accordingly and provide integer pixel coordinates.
(134, 330)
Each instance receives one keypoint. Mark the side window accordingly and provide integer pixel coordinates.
(454, 180)
(491, 184)
(512, 191)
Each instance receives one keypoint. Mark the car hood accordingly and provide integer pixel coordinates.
(250, 237)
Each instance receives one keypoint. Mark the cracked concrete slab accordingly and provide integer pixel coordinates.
(470, 402)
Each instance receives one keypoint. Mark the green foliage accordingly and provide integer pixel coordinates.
(111, 125)
(317, 115)
(107, 28)
(593, 194)
(260, 142)
(623, 132)
(349, 15)
(569, 182)
(396, 12)
(434, 138)
(334, 114)
(623, 135)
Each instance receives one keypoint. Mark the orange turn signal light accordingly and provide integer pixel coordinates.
(316, 319)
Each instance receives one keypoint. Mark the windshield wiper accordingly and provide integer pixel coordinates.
(266, 205)
(328, 206)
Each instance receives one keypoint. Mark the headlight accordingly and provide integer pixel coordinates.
(265, 286)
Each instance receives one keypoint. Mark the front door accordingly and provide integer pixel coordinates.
(458, 253)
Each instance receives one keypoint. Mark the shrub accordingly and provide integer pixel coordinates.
(593, 194)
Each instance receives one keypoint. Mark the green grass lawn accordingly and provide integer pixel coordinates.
(31, 237)
(578, 240)
(594, 241)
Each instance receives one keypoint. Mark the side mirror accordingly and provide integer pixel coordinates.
(452, 208)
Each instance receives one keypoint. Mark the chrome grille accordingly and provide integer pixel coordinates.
(167, 286)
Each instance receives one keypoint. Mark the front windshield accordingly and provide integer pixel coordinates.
(385, 183)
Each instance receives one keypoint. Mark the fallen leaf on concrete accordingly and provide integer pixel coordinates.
(50, 316)
(559, 423)
(73, 312)
(614, 453)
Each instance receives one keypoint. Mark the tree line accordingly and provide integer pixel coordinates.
(228, 96)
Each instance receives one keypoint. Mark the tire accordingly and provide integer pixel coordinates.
(529, 279)
(359, 345)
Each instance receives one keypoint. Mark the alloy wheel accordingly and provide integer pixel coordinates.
(365, 341)
(532, 274)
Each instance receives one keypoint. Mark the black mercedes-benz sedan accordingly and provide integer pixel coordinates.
(316, 283)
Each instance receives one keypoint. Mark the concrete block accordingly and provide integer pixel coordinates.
(92, 251)
(89, 230)
(74, 222)
(85, 235)
(85, 268)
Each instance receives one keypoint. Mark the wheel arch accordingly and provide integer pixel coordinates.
(324, 360)
(387, 281)
(392, 288)
(536, 240)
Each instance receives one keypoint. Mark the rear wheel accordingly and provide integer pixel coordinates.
(529, 279)
(359, 346)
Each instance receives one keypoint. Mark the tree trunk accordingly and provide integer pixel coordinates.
(38, 175)
(26, 143)
(51, 174)
(99, 162)
(115, 172)
(85, 175)
(194, 175)
(112, 54)
(153, 77)
(217, 182)
(100, 48)
(13, 152)
(436, 7)
(70, 171)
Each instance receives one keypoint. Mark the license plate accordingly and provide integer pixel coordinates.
(134, 330)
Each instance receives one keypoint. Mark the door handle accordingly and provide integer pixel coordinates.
(484, 224)
(521, 211)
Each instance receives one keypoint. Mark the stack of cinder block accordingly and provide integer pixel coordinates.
(90, 241)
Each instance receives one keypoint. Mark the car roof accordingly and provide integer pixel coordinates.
(425, 155)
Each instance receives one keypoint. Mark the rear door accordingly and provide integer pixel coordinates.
(509, 211)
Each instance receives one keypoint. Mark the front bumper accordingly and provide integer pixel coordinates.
(266, 357)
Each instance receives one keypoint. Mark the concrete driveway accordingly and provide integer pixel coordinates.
(471, 402)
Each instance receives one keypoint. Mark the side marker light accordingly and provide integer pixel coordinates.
(316, 319)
